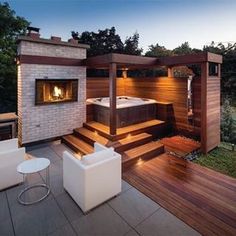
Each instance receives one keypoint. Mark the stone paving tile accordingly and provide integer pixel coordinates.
(64, 231)
(102, 221)
(4, 211)
(133, 206)
(12, 193)
(69, 207)
(56, 185)
(125, 186)
(132, 233)
(163, 223)
(6, 227)
(59, 148)
(38, 219)
(45, 152)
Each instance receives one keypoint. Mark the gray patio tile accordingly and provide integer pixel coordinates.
(164, 223)
(4, 211)
(38, 219)
(6, 228)
(64, 231)
(132, 233)
(59, 149)
(133, 206)
(125, 186)
(45, 152)
(13, 192)
(69, 207)
(101, 221)
(55, 168)
(56, 185)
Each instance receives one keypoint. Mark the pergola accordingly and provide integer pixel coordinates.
(114, 61)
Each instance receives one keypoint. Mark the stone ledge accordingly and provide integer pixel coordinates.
(53, 42)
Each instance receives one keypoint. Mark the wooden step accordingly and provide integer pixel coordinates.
(143, 152)
(90, 136)
(131, 141)
(77, 144)
(151, 126)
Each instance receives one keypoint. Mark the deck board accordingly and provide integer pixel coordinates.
(202, 198)
(180, 145)
(127, 129)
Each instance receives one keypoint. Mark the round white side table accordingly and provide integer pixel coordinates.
(31, 167)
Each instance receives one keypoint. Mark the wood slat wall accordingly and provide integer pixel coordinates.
(162, 89)
(99, 87)
(213, 112)
(196, 90)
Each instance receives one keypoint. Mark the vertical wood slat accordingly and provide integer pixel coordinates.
(210, 109)
(204, 75)
(112, 94)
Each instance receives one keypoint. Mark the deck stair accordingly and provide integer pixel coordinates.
(77, 144)
(131, 141)
(135, 129)
(141, 153)
(90, 136)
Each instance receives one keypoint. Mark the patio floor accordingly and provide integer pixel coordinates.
(131, 213)
(202, 198)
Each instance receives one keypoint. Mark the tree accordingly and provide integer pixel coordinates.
(11, 26)
(183, 49)
(105, 41)
(158, 51)
(226, 121)
(131, 45)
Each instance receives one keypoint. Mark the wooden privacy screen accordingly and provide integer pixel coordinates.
(213, 112)
(196, 99)
(99, 87)
(163, 89)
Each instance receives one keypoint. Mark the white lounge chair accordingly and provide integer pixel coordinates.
(10, 157)
(94, 179)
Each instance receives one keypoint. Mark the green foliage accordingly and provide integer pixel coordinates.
(226, 121)
(108, 41)
(131, 45)
(105, 41)
(158, 51)
(183, 49)
(11, 26)
(220, 159)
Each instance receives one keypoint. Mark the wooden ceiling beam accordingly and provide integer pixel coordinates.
(132, 61)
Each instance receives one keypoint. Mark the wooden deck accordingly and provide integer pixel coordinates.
(180, 145)
(151, 125)
(202, 198)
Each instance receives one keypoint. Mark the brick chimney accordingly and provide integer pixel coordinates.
(33, 32)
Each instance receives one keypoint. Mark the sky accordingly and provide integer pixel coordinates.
(166, 22)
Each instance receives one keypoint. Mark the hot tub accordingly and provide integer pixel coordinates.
(130, 110)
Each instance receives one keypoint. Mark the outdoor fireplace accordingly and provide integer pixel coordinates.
(50, 91)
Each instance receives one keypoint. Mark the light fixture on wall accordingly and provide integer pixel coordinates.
(124, 72)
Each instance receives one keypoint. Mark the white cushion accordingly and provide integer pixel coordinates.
(93, 158)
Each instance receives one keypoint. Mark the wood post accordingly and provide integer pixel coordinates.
(204, 76)
(112, 94)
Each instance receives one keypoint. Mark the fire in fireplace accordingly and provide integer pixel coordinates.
(49, 91)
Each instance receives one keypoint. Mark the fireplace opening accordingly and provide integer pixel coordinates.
(49, 91)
